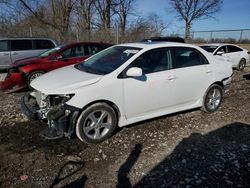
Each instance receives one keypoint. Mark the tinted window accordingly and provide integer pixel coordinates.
(233, 49)
(43, 44)
(4, 46)
(93, 49)
(186, 57)
(210, 49)
(76, 51)
(18, 45)
(108, 60)
(222, 49)
(154, 61)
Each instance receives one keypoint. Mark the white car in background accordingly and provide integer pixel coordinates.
(124, 84)
(238, 56)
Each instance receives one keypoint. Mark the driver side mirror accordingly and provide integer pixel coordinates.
(134, 72)
(220, 53)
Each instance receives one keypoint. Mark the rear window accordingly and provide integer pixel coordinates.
(43, 44)
(19, 45)
(232, 49)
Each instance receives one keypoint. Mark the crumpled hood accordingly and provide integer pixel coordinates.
(25, 61)
(64, 80)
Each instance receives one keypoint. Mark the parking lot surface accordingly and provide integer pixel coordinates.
(191, 148)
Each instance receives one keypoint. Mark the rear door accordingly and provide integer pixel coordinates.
(193, 76)
(234, 54)
(5, 59)
(20, 49)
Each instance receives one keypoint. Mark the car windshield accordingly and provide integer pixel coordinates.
(108, 60)
(209, 48)
(50, 51)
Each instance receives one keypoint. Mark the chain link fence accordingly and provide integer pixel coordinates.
(241, 36)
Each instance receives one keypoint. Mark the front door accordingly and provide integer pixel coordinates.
(153, 91)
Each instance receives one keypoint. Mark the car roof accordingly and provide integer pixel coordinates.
(151, 45)
(25, 38)
(217, 44)
(166, 39)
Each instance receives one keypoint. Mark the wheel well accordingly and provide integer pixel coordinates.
(218, 83)
(243, 59)
(113, 105)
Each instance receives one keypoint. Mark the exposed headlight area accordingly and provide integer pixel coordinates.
(50, 101)
(59, 116)
(56, 100)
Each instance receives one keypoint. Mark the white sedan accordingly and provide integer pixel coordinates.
(238, 56)
(124, 84)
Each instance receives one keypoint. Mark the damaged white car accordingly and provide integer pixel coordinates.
(124, 84)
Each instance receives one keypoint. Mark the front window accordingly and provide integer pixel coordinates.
(210, 49)
(49, 52)
(108, 60)
(155, 60)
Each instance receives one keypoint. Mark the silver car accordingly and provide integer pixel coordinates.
(12, 49)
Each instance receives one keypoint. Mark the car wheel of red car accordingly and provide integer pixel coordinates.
(32, 76)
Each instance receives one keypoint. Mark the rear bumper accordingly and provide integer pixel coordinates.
(13, 82)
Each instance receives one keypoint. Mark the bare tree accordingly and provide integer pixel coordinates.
(60, 11)
(151, 26)
(104, 8)
(192, 10)
(123, 8)
(84, 12)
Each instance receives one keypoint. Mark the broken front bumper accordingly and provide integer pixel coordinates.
(13, 82)
(61, 118)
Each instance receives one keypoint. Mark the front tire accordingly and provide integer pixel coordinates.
(96, 123)
(213, 98)
(32, 76)
(241, 65)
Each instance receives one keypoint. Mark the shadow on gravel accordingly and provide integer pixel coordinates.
(24, 138)
(247, 76)
(220, 158)
(67, 170)
(123, 180)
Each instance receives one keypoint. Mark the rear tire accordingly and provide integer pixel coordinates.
(241, 65)
(213, 98)
(32, 76)
(96, 123)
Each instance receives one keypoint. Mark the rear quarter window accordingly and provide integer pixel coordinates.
(43, 44)
(232, 49)
(19, 45)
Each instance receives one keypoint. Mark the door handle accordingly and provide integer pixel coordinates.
(5, 54)
(15, 53)
(171, 77)
(208, 71)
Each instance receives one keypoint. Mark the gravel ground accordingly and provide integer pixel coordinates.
(188, 149)
(2, 76)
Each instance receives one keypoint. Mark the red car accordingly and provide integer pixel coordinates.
(22, 72)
